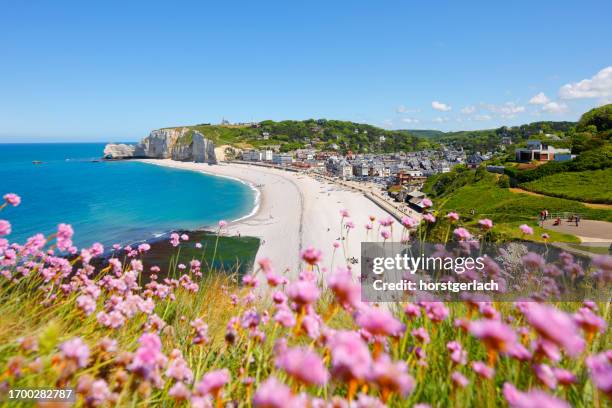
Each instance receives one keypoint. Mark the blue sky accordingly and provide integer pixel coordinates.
(115, 70)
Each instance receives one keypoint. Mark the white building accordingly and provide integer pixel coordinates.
(282, 159)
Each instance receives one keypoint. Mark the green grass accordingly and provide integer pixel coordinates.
(507, 209)
(589, 186)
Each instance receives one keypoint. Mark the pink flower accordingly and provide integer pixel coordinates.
(429, 218)
(87, 304)
(589, 321)
(344, 213)
(421, 335)
(546, 375)
(185, 237)
(213, 382)
(336, 244)
(348, 292)
(64, 237)
(564, 377)
(174, 239)
(178, 368)
(555, 326)
(311, 256)
(411, 310)
(486, 224)
(75, 350)
(179, 392)
(378, 321)
(531, 399)
(350, 356)
(426, 203)
(304, 365)
(495, 334)
(453, 216)
(5, 227)
(545, 236)
(458, 355)
(144, 247)
(459, 379)
(533, 261)
(483, 370)
(303, 292)
(409, 222)
(272, 394)
(385, 234)
(600, 368)
(198, 245)
(222, 224)
(392, 376)
(526, 229)
(462, 234)
(13, 199)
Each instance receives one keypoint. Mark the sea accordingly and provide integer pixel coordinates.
(110, 201)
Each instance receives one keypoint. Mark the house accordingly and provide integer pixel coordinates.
(252, 155)
(268, 155)
(282, 159)
(536, 150)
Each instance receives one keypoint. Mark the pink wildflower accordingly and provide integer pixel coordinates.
(409, 222)
(64, 237)
(426, 203)
(462, 234)
(213, 382)
(555, 326)
(483, 370)
(75, 350)
(453, 216)
(429, 218)
(174, 239)
(311, 256)
(348, 292)
(495, 334)
(272, 394)
(350, 356)
(304, 365)
(378, 321)
(486, 224)
(5, 227)
(421, 335)
(385, 234)
(222, 224)
(303, 292)
(13, 199)
(459, 379)
(392, 376)
(531, 399)
(526, 229)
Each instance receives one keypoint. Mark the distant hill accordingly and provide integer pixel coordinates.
(319, 133)
(426, 133)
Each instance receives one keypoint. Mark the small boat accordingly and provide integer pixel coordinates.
(36, 162)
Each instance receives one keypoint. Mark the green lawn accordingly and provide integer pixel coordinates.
(593, 186)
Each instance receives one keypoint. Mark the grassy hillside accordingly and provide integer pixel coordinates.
(484, 193)
(588, 186)
(321, 133)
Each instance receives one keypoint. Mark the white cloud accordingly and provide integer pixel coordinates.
(507, 110)
(539, 99)
(482, 118)
(440, 119)
(554, 107)
(409, 120)
(440, 106)
(404, 109)
(468, 110)
(599, 86)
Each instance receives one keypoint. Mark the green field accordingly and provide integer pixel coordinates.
(482, 195)
(589, 186)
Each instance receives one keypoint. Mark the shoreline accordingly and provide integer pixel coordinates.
(296, 211)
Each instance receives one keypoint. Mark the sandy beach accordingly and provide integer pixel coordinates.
(296, 211)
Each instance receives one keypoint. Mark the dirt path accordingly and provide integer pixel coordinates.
(518, 190)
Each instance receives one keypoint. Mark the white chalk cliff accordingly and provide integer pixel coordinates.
(182, 144)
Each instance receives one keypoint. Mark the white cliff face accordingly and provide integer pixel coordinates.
(180, 144)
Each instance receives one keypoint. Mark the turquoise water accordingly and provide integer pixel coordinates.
(110, 202)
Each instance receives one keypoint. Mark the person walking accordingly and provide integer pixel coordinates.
(577, 218)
